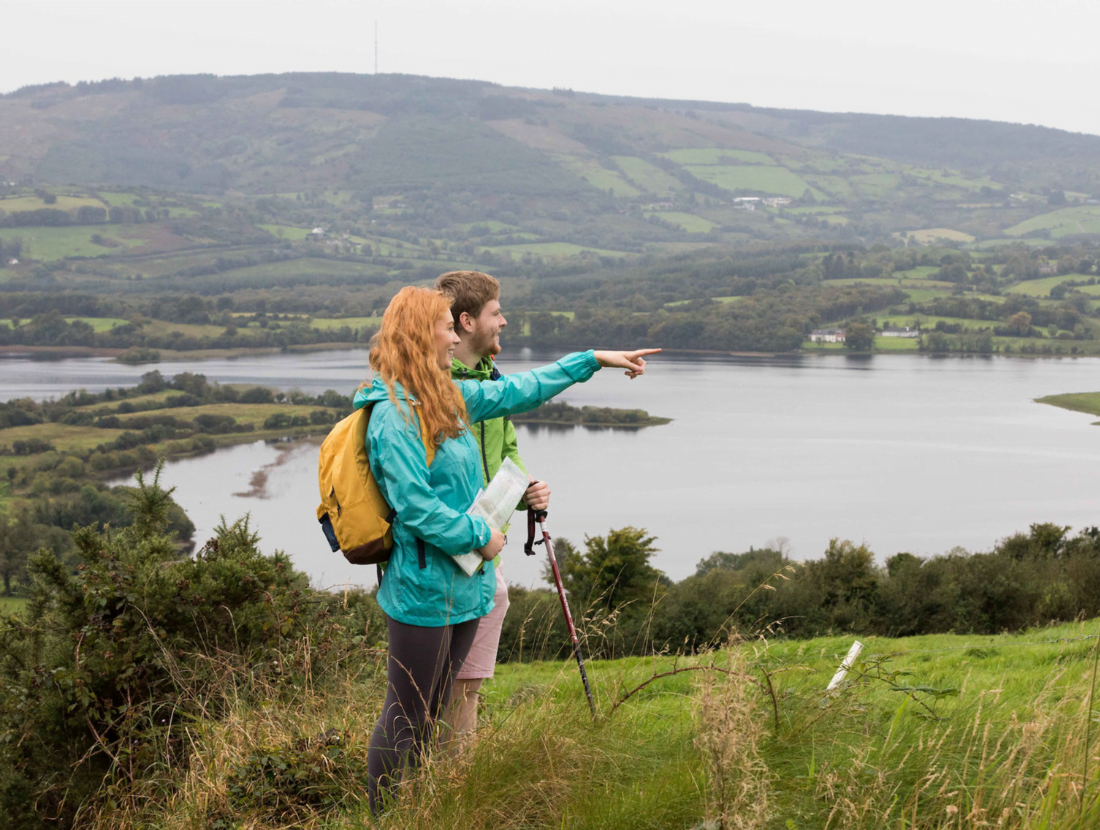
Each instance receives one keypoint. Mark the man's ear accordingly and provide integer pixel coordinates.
(466, 322)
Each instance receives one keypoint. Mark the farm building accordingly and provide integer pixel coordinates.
(904, 331)
(827, 336)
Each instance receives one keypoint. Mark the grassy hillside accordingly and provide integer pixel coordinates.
(928, 732)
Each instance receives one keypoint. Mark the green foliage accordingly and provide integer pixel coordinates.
(100, 677)
(1034, 578)
(296, 780)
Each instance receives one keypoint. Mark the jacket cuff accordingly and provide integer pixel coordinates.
(484, 532)
(580, 366)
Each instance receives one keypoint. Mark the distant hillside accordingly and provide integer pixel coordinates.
(411, 165)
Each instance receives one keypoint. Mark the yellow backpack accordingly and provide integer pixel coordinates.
(353, 513)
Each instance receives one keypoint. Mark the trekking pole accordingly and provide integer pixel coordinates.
(529, 548)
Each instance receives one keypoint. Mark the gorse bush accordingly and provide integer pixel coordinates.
(100, 677)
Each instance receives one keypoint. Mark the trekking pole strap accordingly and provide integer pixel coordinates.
(533, 517)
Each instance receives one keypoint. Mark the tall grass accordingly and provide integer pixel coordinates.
(929, 732)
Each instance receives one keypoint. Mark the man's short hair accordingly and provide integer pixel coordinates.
(469, 291)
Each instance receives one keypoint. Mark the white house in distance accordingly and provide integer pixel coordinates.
(316, 233)
(904, 331)
(827, 336)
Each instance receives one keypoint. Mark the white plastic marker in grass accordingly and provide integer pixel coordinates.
(853, 653)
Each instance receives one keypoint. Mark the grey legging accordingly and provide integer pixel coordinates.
(419, 672)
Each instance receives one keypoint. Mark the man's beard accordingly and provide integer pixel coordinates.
(490, 345)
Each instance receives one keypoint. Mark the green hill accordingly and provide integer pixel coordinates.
(459, 149)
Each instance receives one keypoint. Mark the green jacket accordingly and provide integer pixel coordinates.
(496, 438)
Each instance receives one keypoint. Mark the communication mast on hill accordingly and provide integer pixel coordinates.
(376, 47)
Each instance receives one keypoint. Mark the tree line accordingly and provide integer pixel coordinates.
(1041, 576)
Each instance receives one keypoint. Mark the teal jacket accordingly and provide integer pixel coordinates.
(422, 585)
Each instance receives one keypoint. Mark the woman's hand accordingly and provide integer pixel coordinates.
(494, 546)
(631, 361)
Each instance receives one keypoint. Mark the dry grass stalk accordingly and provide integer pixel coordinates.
(731, 726)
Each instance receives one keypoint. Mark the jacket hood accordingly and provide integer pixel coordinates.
(377, 391)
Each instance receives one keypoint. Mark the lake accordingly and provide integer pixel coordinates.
(903, 452)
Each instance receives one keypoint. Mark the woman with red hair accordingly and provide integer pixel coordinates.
(431, 605)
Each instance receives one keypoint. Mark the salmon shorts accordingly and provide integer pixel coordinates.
(482, 659)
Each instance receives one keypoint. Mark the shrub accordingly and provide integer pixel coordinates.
(100, 676)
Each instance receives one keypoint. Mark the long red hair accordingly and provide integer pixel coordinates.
(403, 351)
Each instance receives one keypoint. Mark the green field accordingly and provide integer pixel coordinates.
(717, 156)
(928, 322)
(62, 436)
(22, 203)
(296, 267)
(688, 221)
(287, 232)
(921, 272)
(1064, 222)
(600, 177)
(100, 323)
(937, 288)
(648, 176)
(778, 181)
(929, 235)
(1077, 401)
(491, 225)
(329, 323)
(1041, 287)
(50, 244)
(553, 249)
(12, 605)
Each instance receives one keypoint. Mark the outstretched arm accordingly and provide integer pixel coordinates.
(526, 390)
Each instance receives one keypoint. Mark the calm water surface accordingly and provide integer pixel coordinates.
(904, 452)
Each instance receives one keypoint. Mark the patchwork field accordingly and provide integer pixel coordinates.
(286, 231)
(329, 323)
(600, 177)
(49, 244)
(1041, 288)
(1064, 222)
(688, 221)
(773, 180)
(717, 156)
(932, 234)
(648, 176)
(554, 249)
(21, 203)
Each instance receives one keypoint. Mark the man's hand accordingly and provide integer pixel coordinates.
(537, 496)
(633, 362)
(494, 546)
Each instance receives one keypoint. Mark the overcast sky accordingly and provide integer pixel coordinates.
(1008, 60)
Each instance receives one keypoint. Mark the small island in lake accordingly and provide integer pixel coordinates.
(1088, 402)
(589, 416)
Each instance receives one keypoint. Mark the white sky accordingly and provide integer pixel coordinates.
(1008, 60)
